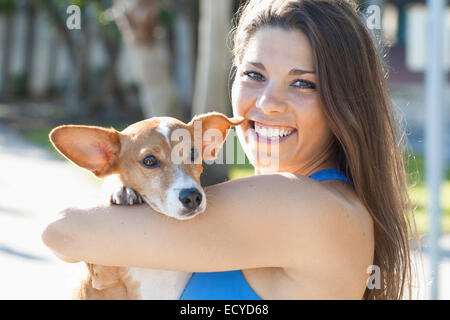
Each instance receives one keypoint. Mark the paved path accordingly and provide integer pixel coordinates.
(34, 186)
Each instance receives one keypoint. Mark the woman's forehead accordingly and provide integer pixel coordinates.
(285, 49)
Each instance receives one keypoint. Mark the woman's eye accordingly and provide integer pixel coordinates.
(150, 162)
(254, 75)
(304, 84)
(194, 154)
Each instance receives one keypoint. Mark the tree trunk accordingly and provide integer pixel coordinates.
(6, 59)
(213, 59)
(151, 63)
(147, 44)
(110, 93)
(184, 53)
(72, 104)
(213, 64)
(29, 43)
(84, 44)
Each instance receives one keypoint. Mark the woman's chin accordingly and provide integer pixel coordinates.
(266, 163)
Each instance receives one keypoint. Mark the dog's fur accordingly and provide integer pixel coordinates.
(108, 152)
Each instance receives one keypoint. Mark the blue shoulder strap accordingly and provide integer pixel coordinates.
(330, 174)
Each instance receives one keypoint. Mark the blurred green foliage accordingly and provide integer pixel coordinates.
(7, 6)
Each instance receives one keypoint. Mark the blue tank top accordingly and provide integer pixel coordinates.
(231, 285)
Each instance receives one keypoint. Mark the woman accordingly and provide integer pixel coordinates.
(308, 227)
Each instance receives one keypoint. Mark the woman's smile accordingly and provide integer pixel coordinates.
(270, 133)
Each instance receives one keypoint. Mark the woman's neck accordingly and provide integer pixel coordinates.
(326, 159)
(305, 170)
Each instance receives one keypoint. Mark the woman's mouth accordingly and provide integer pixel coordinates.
(271, 133)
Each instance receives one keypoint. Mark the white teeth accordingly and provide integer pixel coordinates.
(272, 132)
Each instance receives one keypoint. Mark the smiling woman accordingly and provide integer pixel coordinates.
(332, 202)
(343, 107)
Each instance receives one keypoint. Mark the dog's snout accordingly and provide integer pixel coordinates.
(190, 198)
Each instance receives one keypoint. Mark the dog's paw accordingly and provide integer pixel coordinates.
(126, 196)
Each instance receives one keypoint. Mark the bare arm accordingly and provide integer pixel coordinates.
(277, 220)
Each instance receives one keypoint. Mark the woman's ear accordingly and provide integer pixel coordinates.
(92, 148)
(214, 126)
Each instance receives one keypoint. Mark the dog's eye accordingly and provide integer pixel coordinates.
(194, 154)
(150, 162)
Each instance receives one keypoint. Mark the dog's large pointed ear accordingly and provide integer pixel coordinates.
(93, 148)
(215, 127)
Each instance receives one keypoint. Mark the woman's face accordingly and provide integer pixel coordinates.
(275, 91)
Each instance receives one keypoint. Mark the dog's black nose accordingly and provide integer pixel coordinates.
(190, 198)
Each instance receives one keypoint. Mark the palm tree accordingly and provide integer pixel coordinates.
(138, 21)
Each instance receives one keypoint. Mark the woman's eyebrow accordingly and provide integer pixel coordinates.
(299, 72)
(292, 72)
(257, 65)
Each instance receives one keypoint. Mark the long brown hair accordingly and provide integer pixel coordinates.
(369, 140)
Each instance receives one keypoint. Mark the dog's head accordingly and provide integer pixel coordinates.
(161, 158)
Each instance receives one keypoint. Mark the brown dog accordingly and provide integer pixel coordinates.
(159, 162)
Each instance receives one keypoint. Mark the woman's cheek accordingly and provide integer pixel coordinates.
(243, 98)
(319, 125)
(235, 99)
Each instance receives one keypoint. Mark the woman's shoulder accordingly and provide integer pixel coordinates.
(326, 232)
(301, 198)
(288, 186)
(346, 195)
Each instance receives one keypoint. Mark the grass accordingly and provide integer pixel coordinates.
(419, 197)
(40, 137)
(415, 171)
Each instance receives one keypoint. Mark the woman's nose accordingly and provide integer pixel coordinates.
(273, 100)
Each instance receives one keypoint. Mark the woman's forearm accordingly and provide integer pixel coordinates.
(77, 234)
(217, 239)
